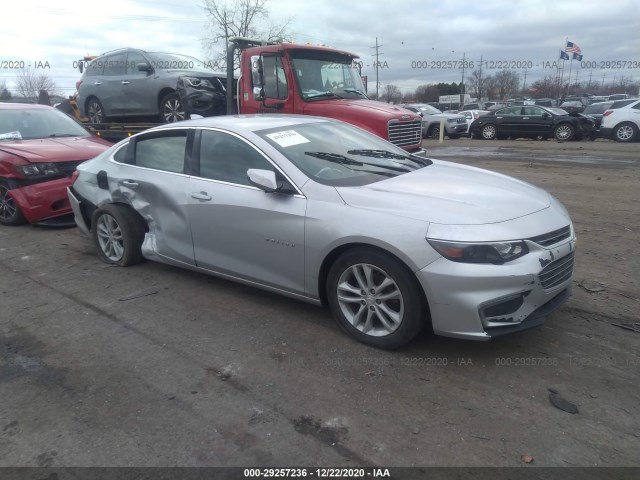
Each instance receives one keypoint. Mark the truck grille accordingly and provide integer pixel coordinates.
(404, 134)
(552, 237)
(557, 272)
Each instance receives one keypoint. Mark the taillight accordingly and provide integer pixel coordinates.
(78, 83)
(74, 176)
(608, 112)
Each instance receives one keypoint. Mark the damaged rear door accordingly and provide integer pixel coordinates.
(154, 182)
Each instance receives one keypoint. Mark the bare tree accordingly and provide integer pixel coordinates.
(477, 84)
(391, 93)
(5, 94)
(29, 83)
(546, 87)
(239, 18)
(506, 82)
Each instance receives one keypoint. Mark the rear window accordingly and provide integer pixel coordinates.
(622, 103)
(596, 109)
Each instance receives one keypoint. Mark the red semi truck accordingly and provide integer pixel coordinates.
(310, 80)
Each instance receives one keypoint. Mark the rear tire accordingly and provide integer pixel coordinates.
(10, 213)
(375, 298)
(95, 111)
(118, 233)
(625, 132)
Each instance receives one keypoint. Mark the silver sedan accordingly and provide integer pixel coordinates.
(322, 211)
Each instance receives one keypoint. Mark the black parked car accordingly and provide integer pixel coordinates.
(573, 107)
(531, 121)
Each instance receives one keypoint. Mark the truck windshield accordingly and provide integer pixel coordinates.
(321, 77)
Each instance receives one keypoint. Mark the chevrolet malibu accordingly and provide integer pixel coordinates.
(40, 148)
(322, 211)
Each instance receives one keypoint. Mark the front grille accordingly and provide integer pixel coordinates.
(557, 272)
(552, 237)
(461, 120)
(404, 134)
(67, 168)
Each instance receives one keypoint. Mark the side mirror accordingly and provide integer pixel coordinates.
(264, 180)
(144, 67)
(257, 77)
(545, 115)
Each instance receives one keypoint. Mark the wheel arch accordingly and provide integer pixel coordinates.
(163, 93)
(90, 211)
(339, 250)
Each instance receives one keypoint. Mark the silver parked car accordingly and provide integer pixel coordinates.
(455, 124)
(325, 212)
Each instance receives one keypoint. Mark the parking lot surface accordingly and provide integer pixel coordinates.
(157, 366)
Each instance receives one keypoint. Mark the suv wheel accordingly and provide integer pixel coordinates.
(625, 132)
(172, 109)
(434, 132)
(95, 111)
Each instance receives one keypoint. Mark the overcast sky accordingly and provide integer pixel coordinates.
(413, 34)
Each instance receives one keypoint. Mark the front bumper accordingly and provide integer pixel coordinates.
(43, 201)
(202, 101)
(456, 128)
(481, 301)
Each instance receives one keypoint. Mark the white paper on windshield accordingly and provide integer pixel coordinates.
(11, 136)
(287, 138)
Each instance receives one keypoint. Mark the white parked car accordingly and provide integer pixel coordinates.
(622, 124)
(472, 115)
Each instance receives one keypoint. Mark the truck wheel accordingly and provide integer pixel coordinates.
(95, 111)
(172, 109)
(10, 213)
(625, 132)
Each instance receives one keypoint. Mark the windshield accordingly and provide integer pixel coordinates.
(428, 109)
(328, 77)
(169, 61)
(338, 154)
(31, 123)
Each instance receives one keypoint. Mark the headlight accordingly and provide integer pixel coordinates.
(495, 252)
(38, 169)
(197, 82)
(452, 120)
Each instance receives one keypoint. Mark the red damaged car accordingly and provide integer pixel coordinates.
(40, 148)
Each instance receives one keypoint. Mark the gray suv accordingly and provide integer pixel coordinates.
(134, 83)
(455, 125)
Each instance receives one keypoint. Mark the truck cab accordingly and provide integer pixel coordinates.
(320, 81)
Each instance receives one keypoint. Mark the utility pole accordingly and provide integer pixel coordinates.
(377, 47)
(464, 64)
(590, 75)
(480, 81)
(524, 83)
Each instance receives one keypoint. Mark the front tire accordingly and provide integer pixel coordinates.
(10, 213)
(434, 132)
(118, 233)
(489, 132)
(172, 109)
(625, 132)
(375, 298)
(564, 132)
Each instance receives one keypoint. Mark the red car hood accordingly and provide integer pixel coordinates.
(64, 149)
(351, 109)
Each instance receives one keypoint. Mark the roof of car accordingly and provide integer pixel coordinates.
(22, 106)
(247, 123)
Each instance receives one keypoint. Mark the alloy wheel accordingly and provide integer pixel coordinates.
(8, 208)
(564, 132)
(370, 299)
(96, 115)
(489, 132)
(172, 110)
(110, 237)
(624, 133)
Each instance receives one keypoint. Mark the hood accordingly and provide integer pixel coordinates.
(448, 193)
(446, 115)
(355, 110)
(65, 149)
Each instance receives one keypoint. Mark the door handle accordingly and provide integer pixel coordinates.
(124, 82)
(525, 118)
(129, 183)
(498, 117)
(200, 196)
(97, 83)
